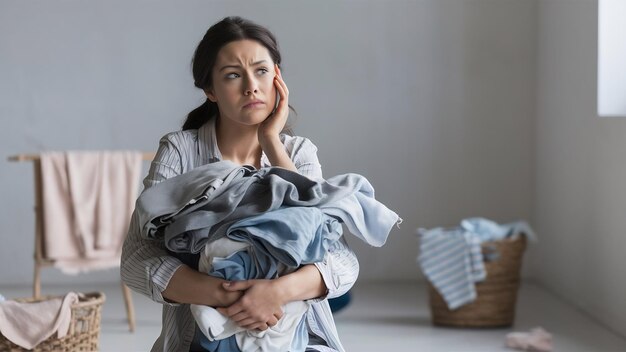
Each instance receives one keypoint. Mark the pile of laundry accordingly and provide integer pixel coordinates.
(258, 224)
(452, 259)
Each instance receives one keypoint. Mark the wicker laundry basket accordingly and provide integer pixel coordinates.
(84, 331)
(495, 296)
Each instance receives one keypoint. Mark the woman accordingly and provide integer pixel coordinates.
(237, 66)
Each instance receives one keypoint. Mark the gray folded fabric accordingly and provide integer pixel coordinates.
(199, 206)
(178, 195)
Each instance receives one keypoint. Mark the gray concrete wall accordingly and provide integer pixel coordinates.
(433, 101)
(580, 196)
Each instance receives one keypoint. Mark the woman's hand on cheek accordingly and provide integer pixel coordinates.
(260, 306)
(274, 124)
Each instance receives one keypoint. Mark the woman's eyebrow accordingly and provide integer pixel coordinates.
(237, 66)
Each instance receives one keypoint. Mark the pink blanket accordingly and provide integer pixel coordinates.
(88, 198)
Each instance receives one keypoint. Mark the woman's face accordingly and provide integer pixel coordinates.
(243, 72)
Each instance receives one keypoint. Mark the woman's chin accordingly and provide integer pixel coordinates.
(253, 117)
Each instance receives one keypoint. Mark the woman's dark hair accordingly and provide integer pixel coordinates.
(225, 31)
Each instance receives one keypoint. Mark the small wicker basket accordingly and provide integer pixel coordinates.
(495, 297)
(84, 331)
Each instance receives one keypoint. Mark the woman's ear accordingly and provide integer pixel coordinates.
(210, 95)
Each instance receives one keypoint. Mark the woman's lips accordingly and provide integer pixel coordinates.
(253, 105)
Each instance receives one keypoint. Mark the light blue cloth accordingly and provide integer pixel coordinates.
(487, 230)
(201, 343)
(242, 266)
(292, 236)
(452, 260)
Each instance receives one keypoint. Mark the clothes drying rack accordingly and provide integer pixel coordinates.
(40, 260)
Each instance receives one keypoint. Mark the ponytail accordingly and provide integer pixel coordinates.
(200, 115)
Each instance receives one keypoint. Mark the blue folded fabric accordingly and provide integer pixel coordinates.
(241, 266)
(292, 235)
(224, 345)
(452, 260)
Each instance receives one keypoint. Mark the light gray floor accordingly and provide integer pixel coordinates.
(382, 317)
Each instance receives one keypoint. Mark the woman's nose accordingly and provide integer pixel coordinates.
(251, 86)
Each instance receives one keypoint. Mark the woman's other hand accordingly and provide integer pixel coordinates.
(274, 124)
(190, 286)
(225, 297)
(260, 306)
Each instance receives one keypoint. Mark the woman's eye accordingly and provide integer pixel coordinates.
(264, 70)
(232, 75)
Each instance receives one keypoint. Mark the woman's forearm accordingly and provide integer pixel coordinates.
(304, 283)
(276, 154)
(190, 286)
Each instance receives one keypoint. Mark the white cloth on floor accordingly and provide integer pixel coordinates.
(28, 324)
(88, 198)
(537, 339)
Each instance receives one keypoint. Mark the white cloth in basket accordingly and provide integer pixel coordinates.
(28, 324)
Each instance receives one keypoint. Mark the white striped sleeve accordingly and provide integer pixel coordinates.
(167, 161)
(339, 269)
(304, 157)
(146, 266)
